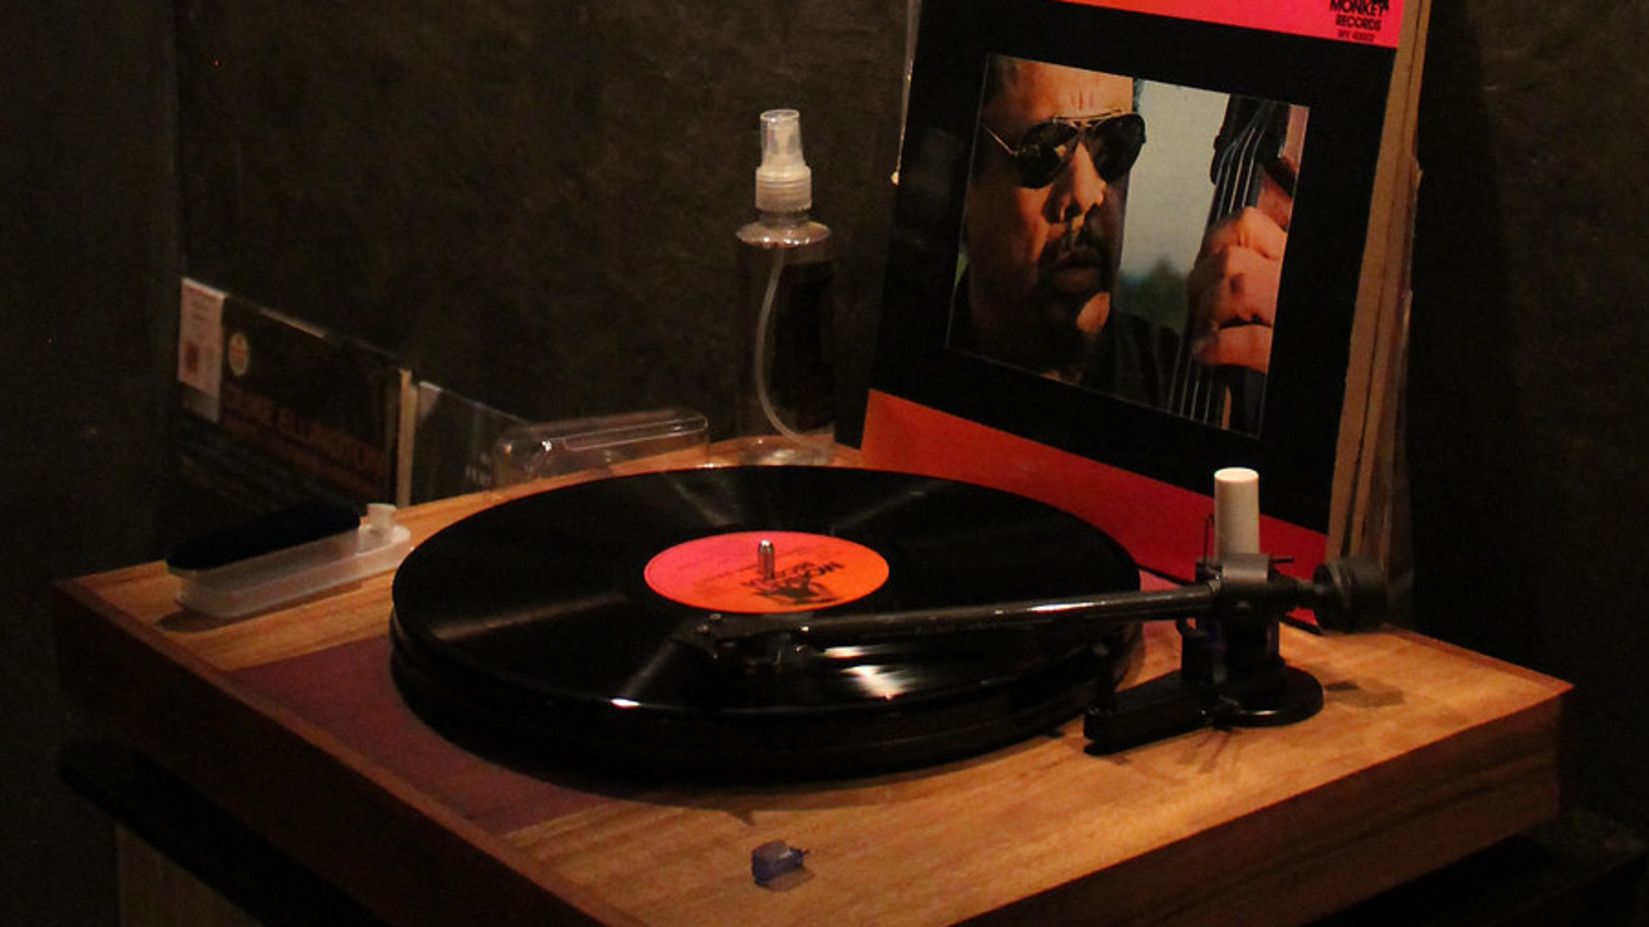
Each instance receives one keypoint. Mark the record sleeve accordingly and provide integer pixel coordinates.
(1091, 337)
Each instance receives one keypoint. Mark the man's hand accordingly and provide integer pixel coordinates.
(1233, 288)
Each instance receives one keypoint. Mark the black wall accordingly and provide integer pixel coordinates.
(1528, 444)
(87, 266)
(532, 203)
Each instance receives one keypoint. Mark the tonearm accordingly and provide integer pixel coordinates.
(1231, 673)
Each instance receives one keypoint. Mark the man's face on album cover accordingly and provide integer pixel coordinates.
(1043, 250)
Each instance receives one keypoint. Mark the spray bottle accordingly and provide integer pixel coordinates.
(786, 397)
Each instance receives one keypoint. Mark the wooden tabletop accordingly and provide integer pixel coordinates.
(289, 720)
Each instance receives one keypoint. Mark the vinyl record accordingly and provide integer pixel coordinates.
(550, 626)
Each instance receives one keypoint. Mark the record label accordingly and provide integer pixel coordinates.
(766, 572)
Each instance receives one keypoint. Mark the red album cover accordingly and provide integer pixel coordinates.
(1373, 22)
(1131, 247)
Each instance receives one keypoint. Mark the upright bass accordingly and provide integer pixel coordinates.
(1255, 164)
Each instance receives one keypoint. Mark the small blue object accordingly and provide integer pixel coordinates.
(773, 859)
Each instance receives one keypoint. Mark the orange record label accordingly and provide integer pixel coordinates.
(731, 573)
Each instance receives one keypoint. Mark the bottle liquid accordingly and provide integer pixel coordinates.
(786, 385)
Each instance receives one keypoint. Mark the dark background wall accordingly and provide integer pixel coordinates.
(1528, 446)
(87, 264)
(532, 203)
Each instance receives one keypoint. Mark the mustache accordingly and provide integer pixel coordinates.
(1080, 246)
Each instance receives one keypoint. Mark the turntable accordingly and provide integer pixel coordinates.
(292, 722)
(748, 623)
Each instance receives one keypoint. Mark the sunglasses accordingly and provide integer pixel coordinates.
(1043, 150)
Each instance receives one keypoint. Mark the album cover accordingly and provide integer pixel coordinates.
(277, 412)
(1135, 243)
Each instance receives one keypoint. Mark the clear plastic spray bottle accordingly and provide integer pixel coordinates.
(786, 397)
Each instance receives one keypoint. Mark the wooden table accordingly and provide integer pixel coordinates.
(290, 721)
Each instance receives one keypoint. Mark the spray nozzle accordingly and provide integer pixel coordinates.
(783, 182)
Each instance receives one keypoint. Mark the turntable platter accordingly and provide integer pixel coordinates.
(545, 626)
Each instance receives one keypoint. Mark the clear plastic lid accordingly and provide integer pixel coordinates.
(556, 448)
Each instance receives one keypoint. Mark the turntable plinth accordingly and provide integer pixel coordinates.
(290, 722)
